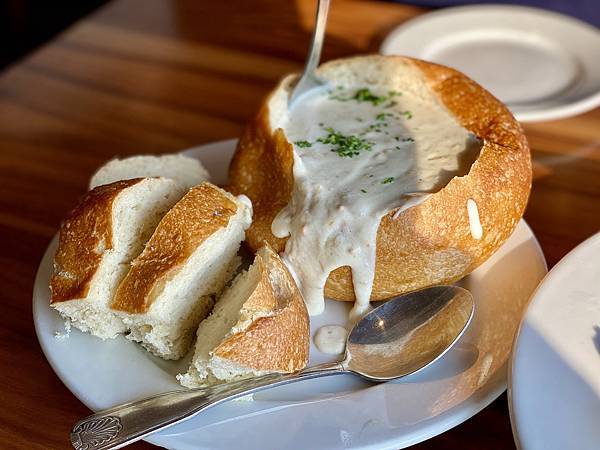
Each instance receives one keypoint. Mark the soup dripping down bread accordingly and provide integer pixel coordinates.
(426, 133)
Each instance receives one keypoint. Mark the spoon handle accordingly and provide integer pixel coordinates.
(308, 79)
(116, 427)
(314, 54)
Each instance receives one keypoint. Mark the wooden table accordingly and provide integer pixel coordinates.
(158, 76)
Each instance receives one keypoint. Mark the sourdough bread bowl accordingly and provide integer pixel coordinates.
(433, 241)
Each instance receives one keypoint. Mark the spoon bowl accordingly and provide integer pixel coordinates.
(407, 334)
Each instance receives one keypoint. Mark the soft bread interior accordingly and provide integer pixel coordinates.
(187, 171)
(135, 213)
(179, 303)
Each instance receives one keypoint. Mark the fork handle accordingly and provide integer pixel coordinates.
(116, 427)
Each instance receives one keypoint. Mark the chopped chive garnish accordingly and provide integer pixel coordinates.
(345, 146)
(303, 144)
(388, 180)
(383, 115)
(365, 95)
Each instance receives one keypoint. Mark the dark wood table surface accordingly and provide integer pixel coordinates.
(157, 76)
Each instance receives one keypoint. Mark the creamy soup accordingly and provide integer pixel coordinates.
(358, 154)
(331, 339)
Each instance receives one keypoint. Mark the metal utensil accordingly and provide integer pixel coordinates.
(309, 79)
(396, 339)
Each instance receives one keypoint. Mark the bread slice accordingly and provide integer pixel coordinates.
(187, 171)
(189, 258)
(98, 240)
(259, 325)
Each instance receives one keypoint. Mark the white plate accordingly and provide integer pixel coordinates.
(543, 65)
(337, 412)
(555, 375)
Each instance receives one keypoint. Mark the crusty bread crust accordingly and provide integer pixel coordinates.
(198, 215)
(274, 331)
(427, 244)
(261, 169)
(84, 235)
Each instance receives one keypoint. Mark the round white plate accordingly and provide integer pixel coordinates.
(543, 65)
(333, 413)
(555, 375)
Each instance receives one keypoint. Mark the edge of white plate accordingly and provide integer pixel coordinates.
(557, 267)
(554, 113)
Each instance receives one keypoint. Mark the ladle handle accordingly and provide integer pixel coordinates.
(116, 427)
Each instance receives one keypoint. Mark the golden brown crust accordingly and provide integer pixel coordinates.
(278, 342)
(197, 216)
(261, 169)
(84, 236)
(431, 242)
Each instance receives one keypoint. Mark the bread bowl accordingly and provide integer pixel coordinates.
(437, 236)
(97, 241)
(259, 325)
(187, 171)
(189, 258)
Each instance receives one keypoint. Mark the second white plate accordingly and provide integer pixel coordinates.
(555, 378)
(543, 65)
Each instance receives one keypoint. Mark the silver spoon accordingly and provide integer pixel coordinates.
(309, 79)
(400, 337)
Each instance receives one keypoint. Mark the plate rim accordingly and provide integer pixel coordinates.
(570, 109)
(451, 418)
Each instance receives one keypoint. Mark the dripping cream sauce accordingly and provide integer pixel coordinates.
(358, 154)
